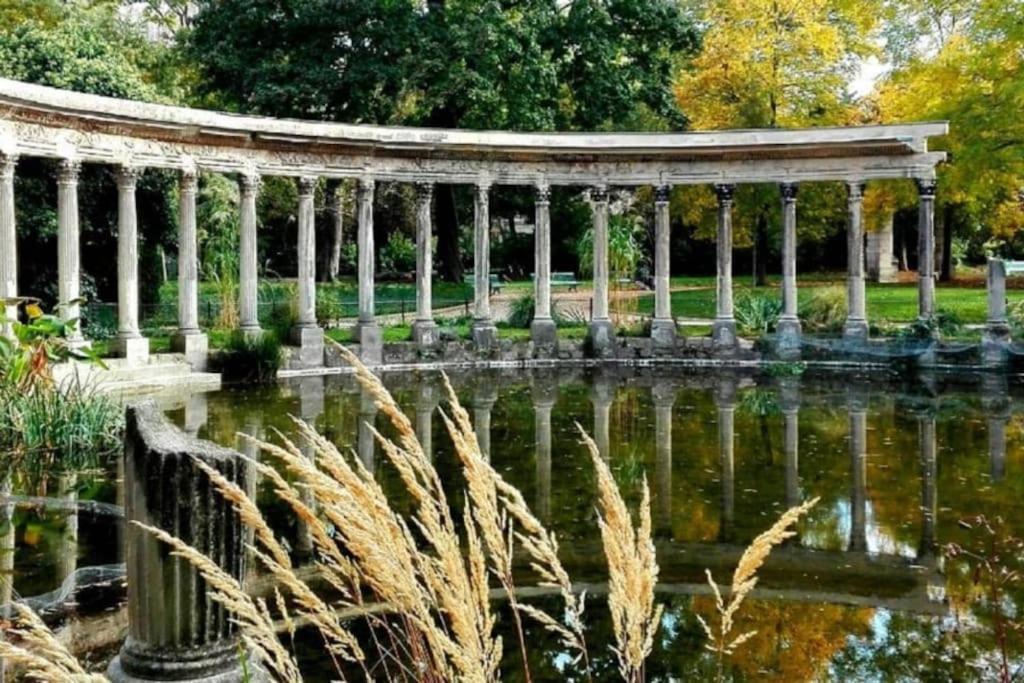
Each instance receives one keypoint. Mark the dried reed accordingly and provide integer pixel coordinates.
(38, 654)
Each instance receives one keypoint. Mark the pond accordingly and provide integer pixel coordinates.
(864, 591)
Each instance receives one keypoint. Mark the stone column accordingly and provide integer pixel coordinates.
(306, 334)
(69, 272)
(175, 630)
(426, 403)
(601, 336)
(926, 249)
(995, 340)
(131, 345)
(788, 329)
(248, 266)
(336, 201)
(485, 334)
(790, 404)
(880, 266)
(723, 331)
(725, 402)
(929, 503)
(366, 444)
(663, 327)
(856, 328)
(367, 330)
(8, 241)
(424, 329)
(542, 330)
(663, 394)
(545, 394)
(858, 466)
(485, 396)
(602, 395)
(189, 339)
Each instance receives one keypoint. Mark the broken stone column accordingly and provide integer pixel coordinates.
(881, 265)
(996, 338)
(176, 632)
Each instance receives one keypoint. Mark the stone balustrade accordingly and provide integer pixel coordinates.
(77, 128)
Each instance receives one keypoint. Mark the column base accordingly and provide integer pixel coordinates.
(723, 334)
(545, 336)
(371, 345)
(213, 665)
(601, 338)
(787, 338)
(426, 334)
(252, 333)
(310, 340)
(855, 331)
(995, 343)
(485, 335)
(196, 347)
(134, 349)
(663, 333)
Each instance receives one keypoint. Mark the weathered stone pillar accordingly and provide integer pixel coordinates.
(663, 394)
(995, 340)
(424, 329)
(926, 248)
(248, 265)
(189, 339)
(426, 403)
(545, 394)
(485, 395)
(602, 395)
(663, 327)
(790, 404)
(69, 270)
(306, 334)
(856, 327)
(8, 241)
(336, 204)
(788, 329)
(723, 331)
(367, 330)
(485, 334)
(601, 335)
(858, 418)
(542, 330)
(929, 502)
(880, 265)
(366, 444)
(176, 632)
(725, 402)
(130, 342)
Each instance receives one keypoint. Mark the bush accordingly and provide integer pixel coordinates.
(757, 314)
(328, 310)
(825, 310)
(398, 255)
(250, 359)
(521, 312)
(943, 324)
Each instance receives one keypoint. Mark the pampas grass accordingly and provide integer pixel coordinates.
(29, 646)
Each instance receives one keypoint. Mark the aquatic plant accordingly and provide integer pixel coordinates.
(250, 358)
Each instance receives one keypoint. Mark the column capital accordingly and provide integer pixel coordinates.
(307, 185)
(789, 191)
(128, 177)
(483, 188)
(926, 187)
(543, 192)
(68, 170)
(189, 179)
(366, 186)
(425, 191)
(249, 183)
(855, 190)
(661, 194)
(7, 164)
(725, 192)
(599, 194)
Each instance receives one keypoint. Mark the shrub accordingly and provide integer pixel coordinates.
(825, 310)
(757, 314)
(521, 312)
(943, 324)
(251, 359)
(398, 255)
(329, 310)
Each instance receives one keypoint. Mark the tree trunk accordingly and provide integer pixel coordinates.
(940, 242)
(946, 264)
(449, 261)
(335, 207)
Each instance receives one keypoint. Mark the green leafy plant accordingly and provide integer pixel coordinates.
(825, 310)
(251, 359)
(757, 314)
(398, 255)
(943, 324)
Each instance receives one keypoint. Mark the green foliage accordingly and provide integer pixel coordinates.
(626, 247)
(788, 369)
(943, 324)
(26, 360)
(757, 314)
(824, 310)
(398, 255)
(250, 359)
(521, 312)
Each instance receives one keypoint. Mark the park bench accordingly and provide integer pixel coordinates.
(1014, 267)
(562, 279)
(470, 279)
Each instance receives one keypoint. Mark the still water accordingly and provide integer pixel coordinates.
(865, 591)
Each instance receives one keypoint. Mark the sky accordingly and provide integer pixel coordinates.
(871, 70)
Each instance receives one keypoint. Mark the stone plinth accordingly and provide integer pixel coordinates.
(881, 265)
(371, 344)
(485, 335)
(310, 343)
(601, 338)
(195, 346)
(175, 631)
(426, 334)
(545, 337)
(135, 350)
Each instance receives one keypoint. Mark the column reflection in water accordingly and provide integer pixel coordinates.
(311, 406)
(789, 401)
(995, 400)
(7, 546)
(365, 444)
(859, 473)
(725, 402)
(485, 395)
(427, 398)
(545, 393)
(929, 502)
(602, 395)
(252, 426)
(663, 394)
(67, 549)
(197, 413)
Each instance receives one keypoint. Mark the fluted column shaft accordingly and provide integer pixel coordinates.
(336, 203)
(599, 206)
(8, 241)
(482, 253)
(856, 328)
(188, 256)
(307, 252)
(127, 254)
(723, 330)
(542, 254)
(424, 252)
(662, 257)
(69, 273)
(364, 199)
(248, 267)
(926, 249)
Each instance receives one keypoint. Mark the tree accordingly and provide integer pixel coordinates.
(771, 64)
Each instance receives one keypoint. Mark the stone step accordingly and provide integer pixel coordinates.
(191, 382)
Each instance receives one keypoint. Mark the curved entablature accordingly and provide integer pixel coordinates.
(48, 122)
